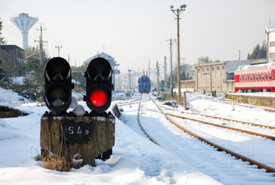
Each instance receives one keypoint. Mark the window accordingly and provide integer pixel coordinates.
(257, 77)
(208, 69)
(222, 67)
(253, 77)
(213, 68)
(266, 76)
(250, 78)
(272, 44)
(218, 67)
(198, 69)
(262, 76)
(269, 75)
(240, 78)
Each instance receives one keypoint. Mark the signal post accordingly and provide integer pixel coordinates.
(84, 138)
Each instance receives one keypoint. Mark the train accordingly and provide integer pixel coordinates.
(255, 78)
(144, 84)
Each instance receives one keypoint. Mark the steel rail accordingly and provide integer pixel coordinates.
(222, 126)
(140, 125)
(227, 119)
(219, 148)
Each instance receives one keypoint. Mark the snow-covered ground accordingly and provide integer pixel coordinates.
(135, 159)
(218, 165)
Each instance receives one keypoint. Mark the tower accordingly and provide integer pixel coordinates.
(24, 23)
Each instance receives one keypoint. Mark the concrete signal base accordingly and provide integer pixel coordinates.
(68, 136)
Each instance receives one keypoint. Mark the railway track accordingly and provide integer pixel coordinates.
(269, 109)
(221, 118)
(218, 147)
(140, 125)
(223, 126)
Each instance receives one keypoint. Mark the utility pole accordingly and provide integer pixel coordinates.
(69, 58)
(171, 68)
(177, 12)
(149, 70)
(41, 46)
(130, 84)
(239, 54)
(165, 76)
(58, 48)
(157, 66)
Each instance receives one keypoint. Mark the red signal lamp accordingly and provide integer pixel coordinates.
(98, 85)
(99, 98)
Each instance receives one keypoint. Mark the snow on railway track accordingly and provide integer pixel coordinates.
(205, 158)
(218, 123)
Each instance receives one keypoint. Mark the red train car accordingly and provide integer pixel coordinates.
(255, 78)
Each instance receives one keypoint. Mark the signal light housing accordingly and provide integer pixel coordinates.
(98, 85)
(58, 86)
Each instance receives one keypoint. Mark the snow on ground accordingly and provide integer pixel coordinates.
(135, 159)
(258, 148)
(205, 105)
(10, 98)
(18, 80)
(218, 165)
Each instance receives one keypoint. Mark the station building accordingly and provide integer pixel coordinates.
(217, 76)
(270, 44)
(12, 58)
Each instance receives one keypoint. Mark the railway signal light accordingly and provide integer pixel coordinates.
(98, 85)
(58, 86)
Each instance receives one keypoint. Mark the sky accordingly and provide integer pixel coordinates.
(135, 32)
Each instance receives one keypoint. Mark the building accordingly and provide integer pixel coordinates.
(34, 57)
(217, 76)
(186, 85)
(12, 58)
(270, 44)
(112, 62)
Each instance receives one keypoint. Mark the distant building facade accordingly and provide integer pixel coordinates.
(270, 44)
(185, 85)
(12, 58)
(217, 76)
